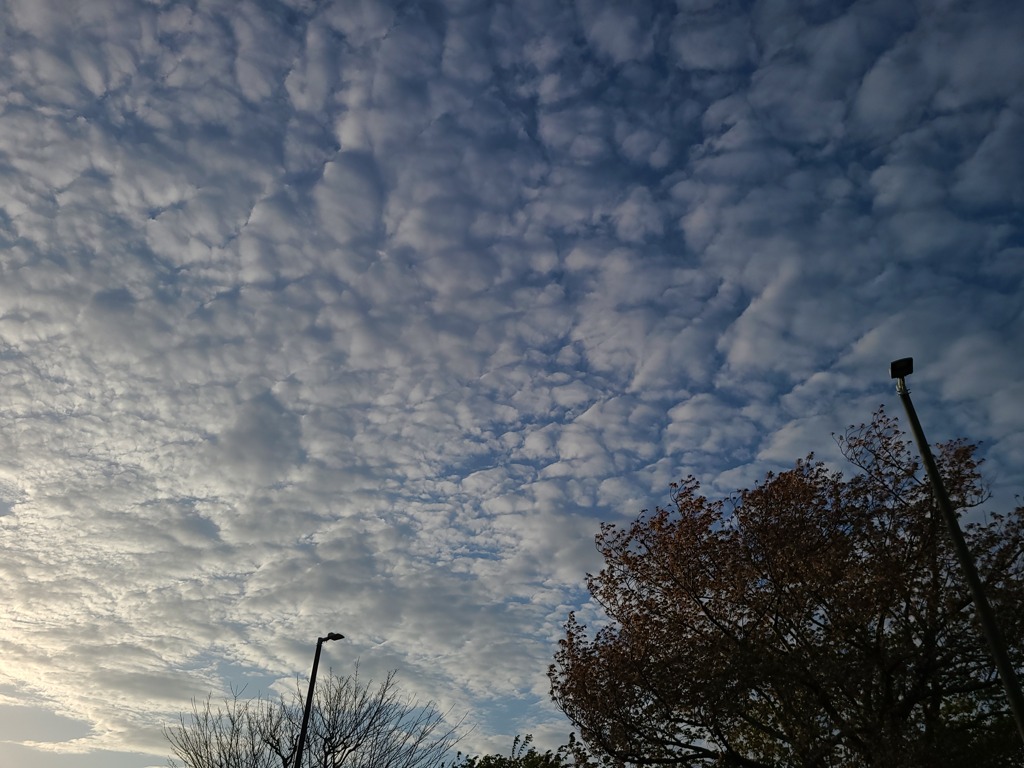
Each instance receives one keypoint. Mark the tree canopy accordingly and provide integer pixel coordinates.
(353, 724)
(815, 620)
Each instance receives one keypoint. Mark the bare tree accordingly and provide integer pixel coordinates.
(352, 725)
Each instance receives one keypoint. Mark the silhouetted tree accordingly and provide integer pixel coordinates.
(523, 755)
(352, 725)
(811, 621)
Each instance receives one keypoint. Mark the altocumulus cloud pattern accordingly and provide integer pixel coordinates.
(360, 316)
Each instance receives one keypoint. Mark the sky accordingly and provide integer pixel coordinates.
(362, 316)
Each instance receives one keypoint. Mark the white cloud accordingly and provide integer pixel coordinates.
(623, 32)
(721, 44)
(994, 174)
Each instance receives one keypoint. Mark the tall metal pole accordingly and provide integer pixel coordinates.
(898, 370)
(309, 697)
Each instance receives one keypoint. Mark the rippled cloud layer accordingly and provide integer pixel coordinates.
(360, 316)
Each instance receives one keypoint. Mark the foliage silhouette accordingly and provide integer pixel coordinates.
(523, 755)
(812, 621)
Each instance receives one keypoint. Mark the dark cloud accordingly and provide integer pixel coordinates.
(262, 443)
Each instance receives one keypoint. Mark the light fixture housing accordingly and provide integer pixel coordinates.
(901, 368)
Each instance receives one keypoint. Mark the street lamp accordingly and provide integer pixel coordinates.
(899, 370)
(309, 696)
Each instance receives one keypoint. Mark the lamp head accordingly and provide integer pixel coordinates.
(334, 636)
(901, 368)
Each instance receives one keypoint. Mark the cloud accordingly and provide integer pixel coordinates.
(363, 316)
(623, 32)
(262, 443)
(712, 42)
(991, 177)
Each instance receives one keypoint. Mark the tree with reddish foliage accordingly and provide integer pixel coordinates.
(815, 620)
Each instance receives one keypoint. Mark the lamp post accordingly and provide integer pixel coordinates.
(899, 370)
(309, 696)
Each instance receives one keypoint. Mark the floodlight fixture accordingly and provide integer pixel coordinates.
(899, 369)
